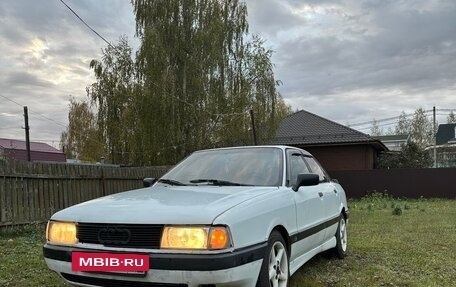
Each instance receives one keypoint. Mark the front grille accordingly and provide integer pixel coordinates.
(115, 283)
(121, 235)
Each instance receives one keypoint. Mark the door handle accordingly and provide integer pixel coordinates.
(320, 194)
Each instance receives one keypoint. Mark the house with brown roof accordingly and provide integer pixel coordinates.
(11, 149)
(336, 146)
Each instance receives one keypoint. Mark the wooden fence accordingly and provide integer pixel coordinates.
(32, 192)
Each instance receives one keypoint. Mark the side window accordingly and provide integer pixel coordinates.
(296, 166)
(316, 168)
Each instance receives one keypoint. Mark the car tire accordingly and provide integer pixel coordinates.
(275, 271)
(341, 238)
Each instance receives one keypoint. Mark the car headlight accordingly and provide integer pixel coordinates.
(61, 232)
(200, 238)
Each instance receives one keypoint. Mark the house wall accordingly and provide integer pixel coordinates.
(344, 157)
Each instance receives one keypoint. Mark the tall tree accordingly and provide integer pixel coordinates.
(421, 129)
(451, 119)
(375, 129)
(82, 140)
(410, 156)
(196, 76)
(113, 95)
(403, 125)
(200, 73)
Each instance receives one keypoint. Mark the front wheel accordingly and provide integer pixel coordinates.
(341, 238)
(274, 270)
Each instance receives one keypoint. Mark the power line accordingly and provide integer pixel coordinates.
(13, 101)
(41, 115)
(397, 117)
(49, 119)
(394, 123)
(87, 25)
(386, 119)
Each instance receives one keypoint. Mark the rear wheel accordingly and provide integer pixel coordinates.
(341, 238)
(274, 270)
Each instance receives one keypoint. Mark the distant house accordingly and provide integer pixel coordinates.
(16, 150)
(393, 142)
(446, 145)
(446, 134)
(336, 146)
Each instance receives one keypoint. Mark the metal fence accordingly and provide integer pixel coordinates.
(410, 183)
(32, 192)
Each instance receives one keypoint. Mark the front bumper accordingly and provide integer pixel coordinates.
(237, 268)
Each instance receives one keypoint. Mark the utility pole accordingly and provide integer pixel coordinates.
(253, 127)
(435, 140)
(27, 133)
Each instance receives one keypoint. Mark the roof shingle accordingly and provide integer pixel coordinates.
(306, 128)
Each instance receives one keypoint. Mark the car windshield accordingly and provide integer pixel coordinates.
(230, 167)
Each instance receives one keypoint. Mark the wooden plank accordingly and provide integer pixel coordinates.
(25, 202)
(30, 206)
(51, 189)
(9, 199)
(74, 185)
(62, 194)
(55, 187)
(84, 187)
(43, 194)
(2, 199)
(79, 186)
(36, 202)
(71, 193)
(15, 201)
(68, 186)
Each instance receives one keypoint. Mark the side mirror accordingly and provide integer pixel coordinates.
(306, 179)
(149, 181)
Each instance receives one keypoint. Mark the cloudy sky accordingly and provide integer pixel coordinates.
(347, 60)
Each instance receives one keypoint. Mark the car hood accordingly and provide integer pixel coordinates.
(162, 204)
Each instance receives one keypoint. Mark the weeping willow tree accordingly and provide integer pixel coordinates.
(114, 95)
(196, 75)
(200, 72)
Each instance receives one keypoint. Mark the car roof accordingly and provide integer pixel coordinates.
(282, 147)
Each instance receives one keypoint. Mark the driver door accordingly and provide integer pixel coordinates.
(309, 207)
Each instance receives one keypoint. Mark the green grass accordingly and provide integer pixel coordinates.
(415, 248)
(21, 258)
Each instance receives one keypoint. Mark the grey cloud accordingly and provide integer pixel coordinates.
(401, 49)
(354, 61)
(24, 79)
(271, 16)
(27, 75)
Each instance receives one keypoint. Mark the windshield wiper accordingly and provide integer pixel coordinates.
(218, 182)
(171, 182)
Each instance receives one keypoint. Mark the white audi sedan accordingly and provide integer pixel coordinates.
(242, 216)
